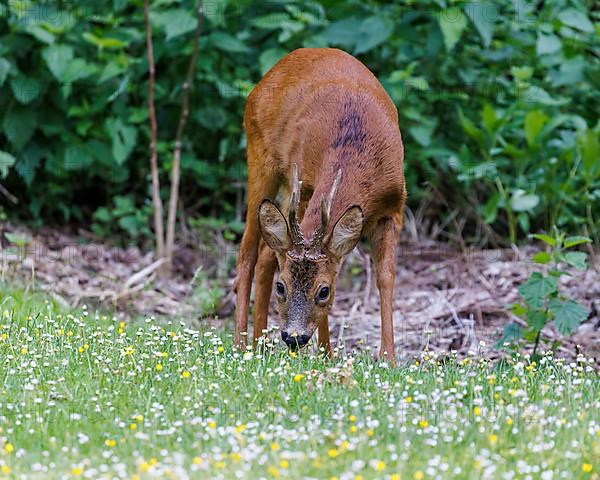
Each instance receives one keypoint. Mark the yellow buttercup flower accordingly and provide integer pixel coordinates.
(9, 448)
(587, 468)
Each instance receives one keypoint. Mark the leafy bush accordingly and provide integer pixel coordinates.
(498, 101)
(543, 302)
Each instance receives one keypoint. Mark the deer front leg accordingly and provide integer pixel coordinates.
(383, 241)
(265, 270)
(261, 184)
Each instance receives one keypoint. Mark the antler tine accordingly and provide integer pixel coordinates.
(326, 212)
(296, 233)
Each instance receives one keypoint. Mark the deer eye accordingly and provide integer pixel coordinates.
(323, 294)
(280, 289)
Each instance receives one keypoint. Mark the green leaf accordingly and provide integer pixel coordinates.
(452, 23)
(576, 240)
(6, 161)
(40, 33)
(77, 157)
(568, 314)
(547, 239)
(174, 22)
(519, 310)
(19, 125)
(576, 259)
(489, 117)
(484, 23)
(547, 44)
(537, 289)
(104, 42)
(523, 202)
(373, 32)
(4, 69)
(534, 122)
(57, 58)
(123, 139)
(512, 332)
(343, 32)
(227, 43)
(576, 19)
(270, 57)
(537, 319)
(25, 89)
(542, 258)
(212, 118)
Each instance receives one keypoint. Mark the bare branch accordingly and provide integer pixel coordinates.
(175, 173)
(156, 201)
(8, 195)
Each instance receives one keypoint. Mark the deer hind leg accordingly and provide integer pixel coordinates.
(262, 183)
(265, 270)
(383, 241)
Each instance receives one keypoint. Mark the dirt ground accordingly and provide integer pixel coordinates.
(445, 299)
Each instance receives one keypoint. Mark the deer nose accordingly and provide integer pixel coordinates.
(295, 341)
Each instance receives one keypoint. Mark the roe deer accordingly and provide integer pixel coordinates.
(323, 133)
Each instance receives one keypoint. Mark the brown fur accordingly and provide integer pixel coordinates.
(324, 111)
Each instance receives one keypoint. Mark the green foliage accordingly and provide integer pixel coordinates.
(498, 101)
(123, 216)
(543, 301)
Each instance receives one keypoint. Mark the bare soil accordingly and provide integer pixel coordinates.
(445, 298)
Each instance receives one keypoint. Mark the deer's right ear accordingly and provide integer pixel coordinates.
(273, 227)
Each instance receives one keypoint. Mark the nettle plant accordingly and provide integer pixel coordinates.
(542, 299)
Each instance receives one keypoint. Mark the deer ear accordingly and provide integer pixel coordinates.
(273, 227)
(346, 233)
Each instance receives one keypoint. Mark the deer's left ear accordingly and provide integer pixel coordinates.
(346, 233)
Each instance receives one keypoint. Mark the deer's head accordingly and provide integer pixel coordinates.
(307, 268)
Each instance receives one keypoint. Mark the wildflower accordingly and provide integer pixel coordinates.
(139, 418)
(370, 433)
(423, 423)
(509, 421)
(212, 425)
(158, 367)
(477, 411)
(419, 475)
(133, 426)
(9, 448)
(273, 471)
(493, 438)
(240, 428)
(352, 418)
(587, 468)
(197, 461)
(236, 456)
(275, 447)
(284, 464)
(5, 469)
(248, 356)
(298, 377)
(186, 374)
(353, 428)
(77, 471)
(395, 476)
(24, 350)
(110, 442)
(333, 452)
(220, 349)
(379, 466)
(408, 399)
(220, 465)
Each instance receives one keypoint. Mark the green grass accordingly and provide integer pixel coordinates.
(82, 395)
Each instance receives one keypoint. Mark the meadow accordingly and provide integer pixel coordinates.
(84, 395)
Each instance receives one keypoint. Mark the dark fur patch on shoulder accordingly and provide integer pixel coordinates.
(352, 133)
